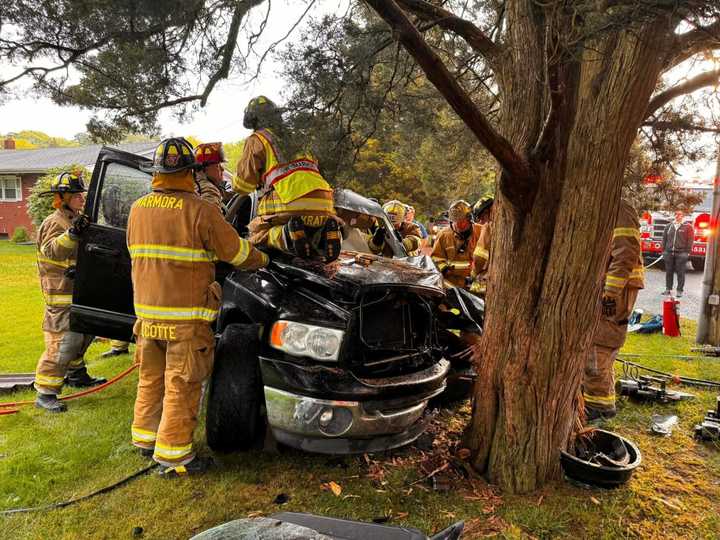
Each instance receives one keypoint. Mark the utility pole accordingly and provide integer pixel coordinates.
(708, 331)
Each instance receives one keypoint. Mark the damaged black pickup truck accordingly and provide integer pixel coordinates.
(341, 360)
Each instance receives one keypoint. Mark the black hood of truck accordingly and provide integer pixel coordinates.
(354, 273)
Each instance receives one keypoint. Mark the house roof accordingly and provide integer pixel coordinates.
(41, 159)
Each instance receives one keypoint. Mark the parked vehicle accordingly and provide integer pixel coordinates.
(652, 225)
(338, 360)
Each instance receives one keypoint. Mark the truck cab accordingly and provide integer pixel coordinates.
(338, 359)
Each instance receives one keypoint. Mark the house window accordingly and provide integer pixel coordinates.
(10, 188)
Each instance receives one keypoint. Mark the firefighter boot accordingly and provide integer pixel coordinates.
(598, 415)
(198, 465)
(50, 403)
(80, 378)
(298, 241)
(331, 233)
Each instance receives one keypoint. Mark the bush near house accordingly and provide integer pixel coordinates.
(20, 235)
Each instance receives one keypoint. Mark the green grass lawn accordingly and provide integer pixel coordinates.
(46, 458)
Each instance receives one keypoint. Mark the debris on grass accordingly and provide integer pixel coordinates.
(332, 486)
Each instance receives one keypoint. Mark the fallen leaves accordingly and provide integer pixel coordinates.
(332, 486)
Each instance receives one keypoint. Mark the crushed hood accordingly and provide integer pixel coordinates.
(363, 269)
(353, 271)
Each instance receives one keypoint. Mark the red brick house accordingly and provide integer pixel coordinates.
(20, 169)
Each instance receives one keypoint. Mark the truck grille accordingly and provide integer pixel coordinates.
(394, 325)
(658, 227)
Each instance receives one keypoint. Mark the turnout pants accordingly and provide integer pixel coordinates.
(169, 393)
(599, 381)
(675, 263)
(64, 353)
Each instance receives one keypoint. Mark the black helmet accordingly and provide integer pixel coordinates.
(482, 206)
(262, 112)
(66, 182)
(171, 155)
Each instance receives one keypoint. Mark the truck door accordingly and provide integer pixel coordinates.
(102, 297)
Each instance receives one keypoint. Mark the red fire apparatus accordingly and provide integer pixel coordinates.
(652, 225)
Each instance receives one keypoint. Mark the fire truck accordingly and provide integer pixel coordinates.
(652, 226)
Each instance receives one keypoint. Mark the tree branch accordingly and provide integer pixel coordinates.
(709, 78)
(689, 44)
(474, 37)
(229, 47)
(680, 125)
(517, 167)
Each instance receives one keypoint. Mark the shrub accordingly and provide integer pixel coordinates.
(20, 234)
(40, 207)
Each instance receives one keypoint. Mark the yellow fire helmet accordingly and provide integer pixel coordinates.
(67, 182)
(171, 155)
(459, 210)
(395, 211)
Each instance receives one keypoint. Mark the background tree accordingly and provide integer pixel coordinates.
(373, 119)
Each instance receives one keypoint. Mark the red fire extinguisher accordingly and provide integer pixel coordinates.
(671, 317)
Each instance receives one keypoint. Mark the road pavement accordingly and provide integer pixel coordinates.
(650, 298)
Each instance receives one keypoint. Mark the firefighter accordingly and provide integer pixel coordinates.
(173, 238)
(209, 177)
(57, 241)
(454, 247)
(295, 213)
(482, 215)
(409, 232)
(624, 278)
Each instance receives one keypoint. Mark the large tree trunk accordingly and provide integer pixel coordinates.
(550, 247)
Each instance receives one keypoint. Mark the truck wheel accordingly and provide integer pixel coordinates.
(698, 264)
(234, 410)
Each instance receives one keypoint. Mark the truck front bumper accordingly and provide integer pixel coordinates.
(343, 427)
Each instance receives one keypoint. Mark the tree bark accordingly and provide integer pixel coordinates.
(547, 265)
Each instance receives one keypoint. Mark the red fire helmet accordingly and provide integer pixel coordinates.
(209, 153)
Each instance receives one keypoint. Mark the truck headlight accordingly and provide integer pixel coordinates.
(306, 340)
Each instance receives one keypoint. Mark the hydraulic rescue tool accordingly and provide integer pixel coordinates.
(709, 429)
(648, 388)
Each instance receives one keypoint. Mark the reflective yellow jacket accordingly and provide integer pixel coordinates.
(625, 266)
(56, 252)
(174, 238)
(293, 187)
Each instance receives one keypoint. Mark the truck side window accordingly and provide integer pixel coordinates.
(121, 188)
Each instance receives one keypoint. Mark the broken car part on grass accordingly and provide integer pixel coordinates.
(709, 428)
(301, 526)
(600, 458)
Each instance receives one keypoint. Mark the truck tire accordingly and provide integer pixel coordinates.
(698, 264)
(235, 401)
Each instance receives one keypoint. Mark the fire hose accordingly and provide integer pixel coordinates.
(63, 504)
(701, 383)
(12, 406)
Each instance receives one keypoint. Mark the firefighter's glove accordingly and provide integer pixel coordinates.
(378, 237)
(447, 269)
(79, 226)
(609, 305)
(264, 261)
(70, 272)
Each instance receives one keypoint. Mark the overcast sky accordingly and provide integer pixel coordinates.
(221, 118)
